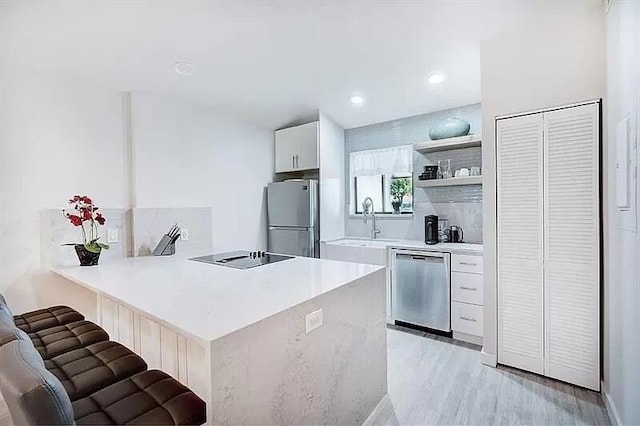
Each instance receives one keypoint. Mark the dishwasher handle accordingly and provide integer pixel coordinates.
(422, 256)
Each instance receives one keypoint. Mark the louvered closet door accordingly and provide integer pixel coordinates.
(572, 258)
(520, 274)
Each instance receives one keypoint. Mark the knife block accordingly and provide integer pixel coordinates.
(165, 247)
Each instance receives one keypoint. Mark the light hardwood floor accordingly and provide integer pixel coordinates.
(435, 380)
(5, 417)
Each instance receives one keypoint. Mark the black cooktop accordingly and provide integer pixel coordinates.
(242, 259)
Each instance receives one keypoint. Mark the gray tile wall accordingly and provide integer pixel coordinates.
(461, 205)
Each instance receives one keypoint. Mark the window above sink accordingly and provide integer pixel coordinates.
(384, 175)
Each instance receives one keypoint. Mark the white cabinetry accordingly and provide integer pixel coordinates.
(548, 243)
(296, 148)
(161, 347)
(467, 297)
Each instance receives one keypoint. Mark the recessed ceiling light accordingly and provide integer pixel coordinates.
(357, 100)
(183, 68)
(435, 78)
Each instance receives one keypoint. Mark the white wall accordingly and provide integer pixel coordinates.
(332, 179)
(540, 67)
(58, 138)
(621, 343)
(187, 156)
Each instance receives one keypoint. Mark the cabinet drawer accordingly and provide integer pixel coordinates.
(466, 287)
(466, 318)
(466, 263)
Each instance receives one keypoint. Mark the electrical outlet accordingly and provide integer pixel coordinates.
(184, 234)
(113, 235)
(314, 320)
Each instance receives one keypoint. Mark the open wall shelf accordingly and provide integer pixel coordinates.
(434, 183)
(448, 144)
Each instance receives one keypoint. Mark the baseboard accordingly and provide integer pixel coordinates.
(488, 359)
(469, 338)
(372, 416)
(611, 407)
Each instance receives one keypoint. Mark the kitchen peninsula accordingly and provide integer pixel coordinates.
(245, 341)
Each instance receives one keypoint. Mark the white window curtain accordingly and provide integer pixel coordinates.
(383, 161)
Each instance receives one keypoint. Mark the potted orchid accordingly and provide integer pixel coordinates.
(84, 213)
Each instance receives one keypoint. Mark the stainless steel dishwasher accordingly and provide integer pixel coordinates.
(421, 289)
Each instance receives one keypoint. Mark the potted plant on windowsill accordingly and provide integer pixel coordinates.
(84, 213)
(399, 188)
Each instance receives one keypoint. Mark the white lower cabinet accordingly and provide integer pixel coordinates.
(466, 318)
(467, 298)
(467, 263)
(467, 288)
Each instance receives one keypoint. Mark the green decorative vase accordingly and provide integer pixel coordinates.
(450, 128)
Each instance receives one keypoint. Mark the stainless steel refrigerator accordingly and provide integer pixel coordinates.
(293, 218)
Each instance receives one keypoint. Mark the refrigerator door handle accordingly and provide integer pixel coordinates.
(290, 228)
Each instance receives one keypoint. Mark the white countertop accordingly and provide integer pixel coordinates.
(209, 301)
(410, 244)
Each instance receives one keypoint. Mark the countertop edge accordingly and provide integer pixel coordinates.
(417, 245)
(60, 270)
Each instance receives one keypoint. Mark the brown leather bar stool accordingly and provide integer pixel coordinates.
(50, 341)
(35, 396)
(34, 321)
(58, 340)
(87, 370)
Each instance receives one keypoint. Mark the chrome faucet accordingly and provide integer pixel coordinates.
(367, 209)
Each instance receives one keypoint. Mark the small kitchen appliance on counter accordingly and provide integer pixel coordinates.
(431, 229)
(455, 234)
(242, 259)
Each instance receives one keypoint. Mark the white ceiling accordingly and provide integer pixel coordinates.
(275, 62)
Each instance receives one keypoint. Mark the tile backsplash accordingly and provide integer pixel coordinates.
(150, 224)
(461, 205)
(138, 230)
(56, 231)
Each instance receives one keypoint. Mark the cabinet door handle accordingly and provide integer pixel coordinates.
(293, 161)
(468, 263)
(468, 319)
(297, 161)
(468, 288)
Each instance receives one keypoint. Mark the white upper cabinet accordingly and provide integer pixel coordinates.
(286, 149)
(297, 148)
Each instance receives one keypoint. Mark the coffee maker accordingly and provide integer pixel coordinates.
(431, 229)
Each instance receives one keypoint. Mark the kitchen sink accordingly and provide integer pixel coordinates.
(358, 250)
(364, 243)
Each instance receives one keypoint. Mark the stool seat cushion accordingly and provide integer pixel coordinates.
(148, 398)
(55, 341)
(87, 370)
(34, 321)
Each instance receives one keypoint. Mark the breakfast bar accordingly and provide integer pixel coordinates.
(299, 341)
